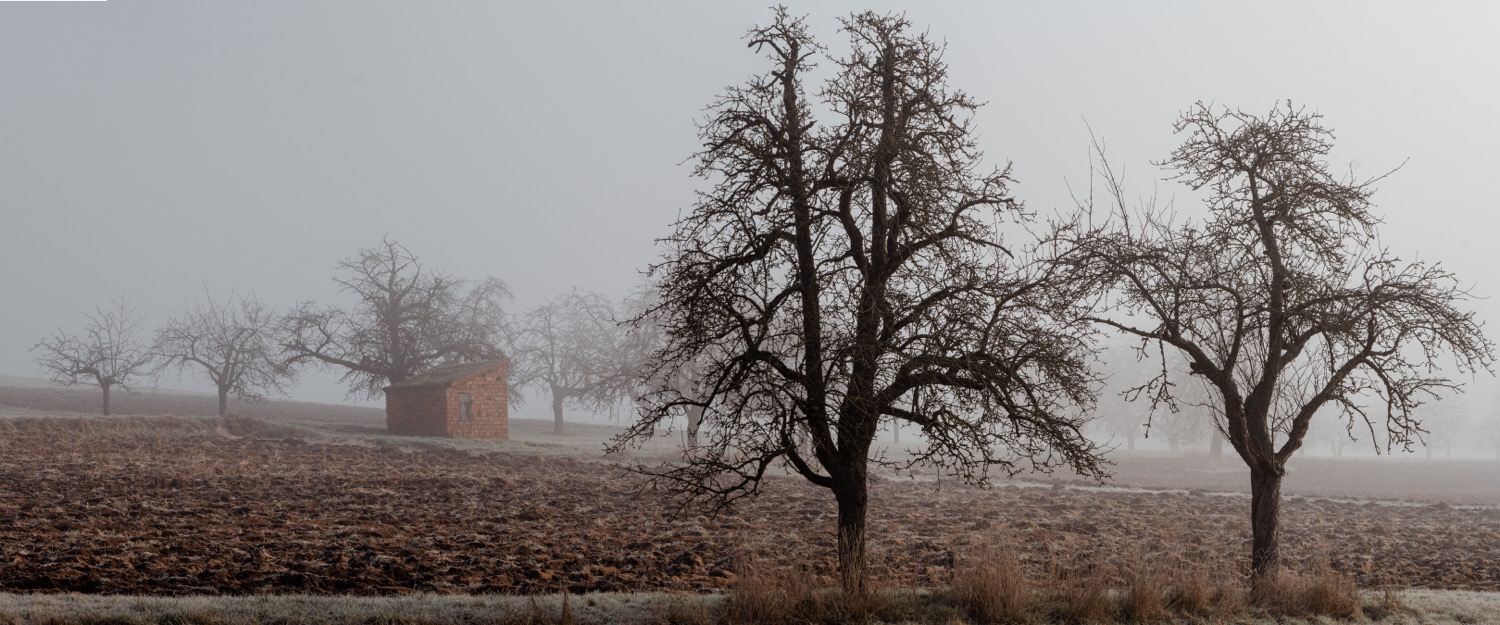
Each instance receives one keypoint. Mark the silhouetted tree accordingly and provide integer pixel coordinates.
(406, 318)
(111, 351)
(837, 269)
(571, 347)
(232, 343)
(1280, 298)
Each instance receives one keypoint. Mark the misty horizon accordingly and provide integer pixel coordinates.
(158, 149)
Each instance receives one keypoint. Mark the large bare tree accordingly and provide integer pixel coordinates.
(405, 318)
(111, 351)
(571, 347)
(837, 269)
(231, 343)
(1280, 296)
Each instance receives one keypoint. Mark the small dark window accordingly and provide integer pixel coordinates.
(464, 407)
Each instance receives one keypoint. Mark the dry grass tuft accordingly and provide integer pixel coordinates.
(1390, 603)
(991, 588)
(1318, 591)
(1205, 593)
(1146, 595)
(1082, 598)
(678, 611)
(766, 594)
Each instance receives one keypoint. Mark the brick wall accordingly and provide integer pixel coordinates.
(416, 411)
(488, 406)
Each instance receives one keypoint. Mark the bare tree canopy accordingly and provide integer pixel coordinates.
(232, 344)
(571, 346)
(1281, 297)
(836, 270)
(406, 318)
(111, 351)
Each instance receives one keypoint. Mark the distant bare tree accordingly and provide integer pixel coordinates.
(1337, 435)
(836, 270)
(1447, 422)
(1127, 412)
(1281, 298)
(406, 318)
(1117, 419)
(1116, 415)
(644, 338)
(1485, 429)
(110, 352)
(572, 346)
(232, 343)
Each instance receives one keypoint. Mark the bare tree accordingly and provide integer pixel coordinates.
(644, 337)
(1485, 429)
(406, 318)
(1446, 422)
(1280, 297)
(572, 346)
(1116, 415)
(1128, 412)
(232, 343)
(110, 352)
(836, 270)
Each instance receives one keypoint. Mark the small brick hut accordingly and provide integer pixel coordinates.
(457, 401)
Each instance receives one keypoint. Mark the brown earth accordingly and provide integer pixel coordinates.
(182, 507)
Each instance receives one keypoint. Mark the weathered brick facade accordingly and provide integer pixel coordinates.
(433, 403)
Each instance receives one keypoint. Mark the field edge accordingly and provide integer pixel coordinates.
(1421, 606)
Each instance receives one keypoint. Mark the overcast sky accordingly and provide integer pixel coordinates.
(148, 148)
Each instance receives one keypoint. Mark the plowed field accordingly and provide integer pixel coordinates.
(181, 510)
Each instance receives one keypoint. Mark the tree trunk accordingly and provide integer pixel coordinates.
(557, 412)
(694, 421)
(223, 402)
(854, 500)
(896, 431)
(1265, 523)
(106, 398)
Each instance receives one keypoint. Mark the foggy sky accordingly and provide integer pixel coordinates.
(150, 148)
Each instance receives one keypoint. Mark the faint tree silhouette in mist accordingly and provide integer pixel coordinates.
(111, 351)
(405, 318)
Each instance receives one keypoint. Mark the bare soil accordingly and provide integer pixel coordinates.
(182, 506)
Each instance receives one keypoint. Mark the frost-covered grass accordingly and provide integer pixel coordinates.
(65, 609)
(1428, 607)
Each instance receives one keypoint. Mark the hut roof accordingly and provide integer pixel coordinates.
(445, 375)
